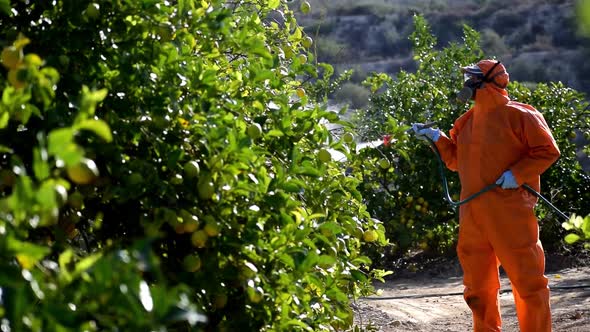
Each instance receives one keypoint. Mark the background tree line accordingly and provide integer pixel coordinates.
(539, 41)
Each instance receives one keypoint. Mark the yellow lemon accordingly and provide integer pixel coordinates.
(84, 172)
(192, 263)
(191, 169)
(11, 57)
(384, 163)
(211, 228)
(254, 130)
(348, 138)
(370, 235)
(199, 239)
(307, 42)
(300, 92)
(305, 7)
(324, 155)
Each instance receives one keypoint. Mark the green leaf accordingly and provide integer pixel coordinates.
(22, 195)
(307, 170)
(4, 119)
(99, 127)
(326, 260)
(64, 260)
(274, 4)
(183, 6)
(86, 263)
(40, 166)
(586, 227)
(96, 95)
(61, 144)
(287, 260)
(358, 275)
(21, 42)
(362, 260)
(89, 101)
(583, 13)
(5, 7)
(275, 133)
(292, 186)
(46, 195)
(296, 322)
(333, 227)
(5, 149)
(258, 47)
(337, 294)
(263, 75)
(572, 238)
(28, 254)
(59, 139)
(310, 260)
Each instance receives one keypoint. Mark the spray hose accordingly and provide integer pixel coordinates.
(447, 196)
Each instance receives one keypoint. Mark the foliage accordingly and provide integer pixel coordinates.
(564, 182)
(407, 196)
(519, 23)
(579, 228)
(160, 171)
(583, 17)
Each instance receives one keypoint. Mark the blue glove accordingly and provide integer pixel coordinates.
(423, 133)
(507, 181)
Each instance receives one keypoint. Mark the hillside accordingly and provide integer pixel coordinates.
(536, 40)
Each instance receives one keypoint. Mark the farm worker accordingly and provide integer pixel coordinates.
(508, 143)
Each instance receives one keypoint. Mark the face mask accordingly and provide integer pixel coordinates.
(470, 86)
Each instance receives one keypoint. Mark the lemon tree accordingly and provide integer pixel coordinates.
(408, 196)
(186, 140)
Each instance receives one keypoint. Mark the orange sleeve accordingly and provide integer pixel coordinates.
(448, 150)
(542, 149)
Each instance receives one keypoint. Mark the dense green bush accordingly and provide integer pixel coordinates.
(163, 168)
(392, 194)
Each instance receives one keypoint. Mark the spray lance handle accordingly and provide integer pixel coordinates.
(423, 126)
(426, 125)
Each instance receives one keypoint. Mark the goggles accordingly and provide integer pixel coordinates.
(468, 76)
(474, 72)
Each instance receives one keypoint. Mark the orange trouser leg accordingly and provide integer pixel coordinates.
(525, 268)
(513, 232)
(480, 274)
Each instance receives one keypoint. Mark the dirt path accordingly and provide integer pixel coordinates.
(416, 304)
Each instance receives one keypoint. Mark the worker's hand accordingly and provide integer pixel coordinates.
(423, 133)
(507, 181)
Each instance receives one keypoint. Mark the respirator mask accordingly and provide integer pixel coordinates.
(474, 79)
(470, 85)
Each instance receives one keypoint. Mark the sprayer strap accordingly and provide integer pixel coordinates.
(485, 78)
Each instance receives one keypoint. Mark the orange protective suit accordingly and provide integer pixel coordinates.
(500, 227)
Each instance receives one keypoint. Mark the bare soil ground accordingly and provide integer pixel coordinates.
(426, 302)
